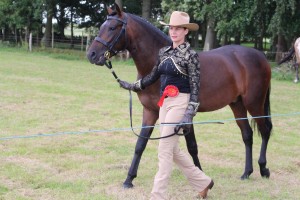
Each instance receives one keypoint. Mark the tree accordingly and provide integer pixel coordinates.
(236, 19)
(61, 18)
(5, 18)
(221, 21)
(208, 15)
(15, 16)
(284, 25)
(50, 8)
(92, 14)
(146, 9)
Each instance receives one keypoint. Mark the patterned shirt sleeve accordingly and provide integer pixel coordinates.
(194, 77)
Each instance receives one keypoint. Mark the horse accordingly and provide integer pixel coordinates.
(230, 75)
(294, 51)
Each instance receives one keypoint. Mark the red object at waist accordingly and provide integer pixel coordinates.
(170, 91)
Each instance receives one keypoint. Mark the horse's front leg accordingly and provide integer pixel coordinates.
(149, 119)
(192, 147)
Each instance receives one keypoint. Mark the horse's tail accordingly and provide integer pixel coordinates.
(267, 110)
(288, 57)
(267, 129)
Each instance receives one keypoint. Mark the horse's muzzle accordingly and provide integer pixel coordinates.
(95, 59)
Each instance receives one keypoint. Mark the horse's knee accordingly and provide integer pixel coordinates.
(142, 141)
(248, 139)
(265, 132)
(140, 146)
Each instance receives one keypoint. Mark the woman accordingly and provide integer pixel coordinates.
(178, 68)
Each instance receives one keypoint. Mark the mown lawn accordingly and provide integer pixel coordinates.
(89, 147)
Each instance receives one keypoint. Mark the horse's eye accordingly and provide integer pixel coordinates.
(112, 28)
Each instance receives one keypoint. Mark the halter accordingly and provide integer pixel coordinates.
(111, 45)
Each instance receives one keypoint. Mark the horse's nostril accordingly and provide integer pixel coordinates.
(93, 55)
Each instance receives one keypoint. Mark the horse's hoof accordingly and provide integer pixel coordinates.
(296, 81)
(265, 173)
(244, 177)
(127, 185)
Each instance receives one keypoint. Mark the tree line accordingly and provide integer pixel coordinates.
(221, 21)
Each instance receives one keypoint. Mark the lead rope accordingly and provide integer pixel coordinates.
(150, 138)
(109, 66)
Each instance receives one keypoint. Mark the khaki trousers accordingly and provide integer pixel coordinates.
(172, 111)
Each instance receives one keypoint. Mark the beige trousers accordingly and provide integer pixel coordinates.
(172, 111)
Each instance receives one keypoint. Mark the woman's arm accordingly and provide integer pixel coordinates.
(143, 82)
(194, 80)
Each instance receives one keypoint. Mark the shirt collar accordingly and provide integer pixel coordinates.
(183, 47)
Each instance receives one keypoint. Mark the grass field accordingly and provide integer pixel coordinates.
(41, 93)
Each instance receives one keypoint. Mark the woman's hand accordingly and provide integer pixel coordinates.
(130, 86)
(187, 120)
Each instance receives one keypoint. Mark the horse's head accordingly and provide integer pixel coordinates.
(111, 37)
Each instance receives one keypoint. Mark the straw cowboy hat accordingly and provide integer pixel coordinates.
(181, 19)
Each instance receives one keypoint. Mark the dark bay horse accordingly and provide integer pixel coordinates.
(294, 51)
(231, 75)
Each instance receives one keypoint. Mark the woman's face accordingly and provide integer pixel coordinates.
(177, 34)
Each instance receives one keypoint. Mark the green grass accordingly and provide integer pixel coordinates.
(50, 92)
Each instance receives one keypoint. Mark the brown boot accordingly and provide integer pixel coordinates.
(203, 194)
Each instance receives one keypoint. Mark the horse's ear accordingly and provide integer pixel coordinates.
(118, 9)
(114, 9)
(109, 10)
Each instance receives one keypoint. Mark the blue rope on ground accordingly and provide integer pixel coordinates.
(140, 127)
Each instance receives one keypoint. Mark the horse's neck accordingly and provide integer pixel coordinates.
(144, 51)
(144, 44)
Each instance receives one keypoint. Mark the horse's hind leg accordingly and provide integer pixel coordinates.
(262, 161)
(192, 147)
(240, 111)
(264, 129)
(264, 124)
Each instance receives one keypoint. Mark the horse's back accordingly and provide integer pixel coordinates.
(229, 72)
(234, 53)
(237, 60)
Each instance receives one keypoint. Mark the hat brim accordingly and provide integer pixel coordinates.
(190, 26)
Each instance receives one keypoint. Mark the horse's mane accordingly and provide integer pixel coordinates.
(156, 32)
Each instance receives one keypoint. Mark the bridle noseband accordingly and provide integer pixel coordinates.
(111, 52)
